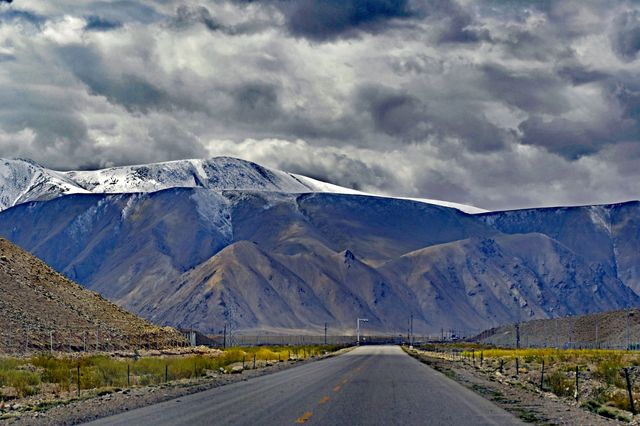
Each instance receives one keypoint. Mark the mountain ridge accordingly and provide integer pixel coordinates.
(24, 180)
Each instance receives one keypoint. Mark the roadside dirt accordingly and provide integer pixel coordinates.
(527, 403)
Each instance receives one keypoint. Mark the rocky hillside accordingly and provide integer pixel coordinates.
(612, 329)
(41, 308)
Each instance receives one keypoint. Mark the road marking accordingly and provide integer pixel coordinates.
(306, 416)
(337, 388)
(324, 400)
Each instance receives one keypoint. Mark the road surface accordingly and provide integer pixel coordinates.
(371, 385)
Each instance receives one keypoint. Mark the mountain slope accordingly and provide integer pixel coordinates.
(40, 306)
(606, 236)
(263, 256)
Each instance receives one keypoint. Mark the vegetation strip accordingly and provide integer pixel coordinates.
(495, 374)
(36, 384)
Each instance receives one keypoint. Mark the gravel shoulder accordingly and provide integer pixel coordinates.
(527, 403)
(77, 411)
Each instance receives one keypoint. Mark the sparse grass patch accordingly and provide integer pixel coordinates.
(45, 373)
(601, 381)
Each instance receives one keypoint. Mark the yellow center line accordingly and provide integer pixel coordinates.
(306, 416)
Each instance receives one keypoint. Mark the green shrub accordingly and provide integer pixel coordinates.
(609, 368)
(560, 384)
(25, 383)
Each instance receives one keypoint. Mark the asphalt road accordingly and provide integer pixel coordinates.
(371, 385)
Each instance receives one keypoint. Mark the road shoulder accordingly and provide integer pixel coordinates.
(531, 407)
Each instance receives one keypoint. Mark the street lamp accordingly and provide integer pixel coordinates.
(629, 315)
(358, 327)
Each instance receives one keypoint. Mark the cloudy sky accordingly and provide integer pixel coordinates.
(499, 104)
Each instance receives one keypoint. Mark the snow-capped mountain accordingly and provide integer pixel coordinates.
(204, 242)
(23, 181)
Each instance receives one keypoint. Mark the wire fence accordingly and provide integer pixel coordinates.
(26, 340)
(600, 331)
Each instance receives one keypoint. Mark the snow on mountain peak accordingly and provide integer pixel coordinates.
(24, 180)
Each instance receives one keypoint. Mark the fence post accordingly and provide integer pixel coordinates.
(254, 361)
(626, 376)
(473, 357)
(577, 389)
(542, 376)
(243, 362)
(166, 373)
(481, 358)
(501, 365)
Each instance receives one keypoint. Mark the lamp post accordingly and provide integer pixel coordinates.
(358, 328)
(629, 315)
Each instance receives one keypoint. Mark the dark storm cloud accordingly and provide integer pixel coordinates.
(6, 1)
(10, 15)
(328, 19)
(569, 139)
(97, 23)
(325, 20)
(406, 117)
(531, 91)
(256, 101)
(456, 23)
(625, 39)
(186, 16)
(394, 112)
(134, 92)
(578, 75)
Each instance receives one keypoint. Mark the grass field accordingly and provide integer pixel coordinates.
(46, 375)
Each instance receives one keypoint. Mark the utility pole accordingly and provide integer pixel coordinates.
(518, 336)
(628, 329)
(224, 338)
(358, 328)
(325, 334)
(411, 330)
